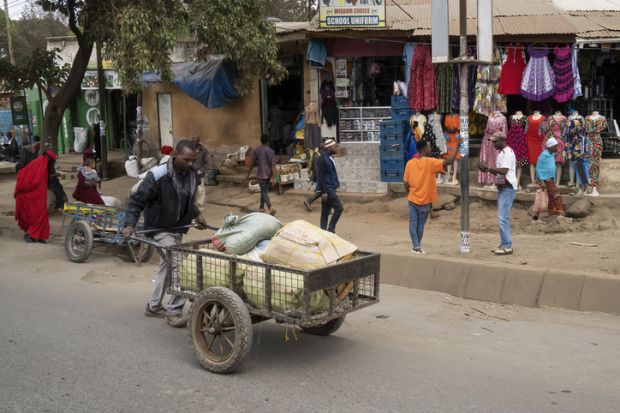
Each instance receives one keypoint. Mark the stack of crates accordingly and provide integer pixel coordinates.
(393, 134)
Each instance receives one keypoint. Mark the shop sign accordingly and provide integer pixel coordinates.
(19, 110)
(351, 13)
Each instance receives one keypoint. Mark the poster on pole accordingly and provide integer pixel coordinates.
(19, 110)
(351, 13)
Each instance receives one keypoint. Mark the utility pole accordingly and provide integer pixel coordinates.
(9, 35)
(102, 105)
(464, 124)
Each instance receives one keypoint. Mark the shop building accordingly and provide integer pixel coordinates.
(363, 64)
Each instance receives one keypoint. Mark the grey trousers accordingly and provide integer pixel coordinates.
(175, 304)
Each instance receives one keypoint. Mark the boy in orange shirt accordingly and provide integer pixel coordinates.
(421, 186)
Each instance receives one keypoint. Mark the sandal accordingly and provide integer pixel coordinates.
(503, 251)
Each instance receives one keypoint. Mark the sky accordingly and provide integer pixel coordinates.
(15, 8)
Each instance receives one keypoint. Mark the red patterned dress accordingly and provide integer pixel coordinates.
(422, 92)
(516, 139)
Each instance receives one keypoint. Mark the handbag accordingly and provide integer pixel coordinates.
(541, 202)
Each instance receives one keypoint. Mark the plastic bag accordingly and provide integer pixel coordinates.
(81, 139)
(541, 202)
(302, 245)
(239, 235)
(131, 167)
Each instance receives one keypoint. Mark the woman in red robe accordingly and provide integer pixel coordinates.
(31, 197)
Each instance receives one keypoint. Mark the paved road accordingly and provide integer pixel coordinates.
(72, 342)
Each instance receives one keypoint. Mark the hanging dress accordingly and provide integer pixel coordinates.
(445, 87)
(434, 119)
(452, 133)
(554, 127)
(429, 136)
(422, 93)
(538, 81)
(563, 71)
(512, 72)
(594, 128)
(533, 138)
(488, 99)
(488, 154)
(516, 139)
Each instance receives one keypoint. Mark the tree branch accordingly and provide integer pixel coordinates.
(73, 22)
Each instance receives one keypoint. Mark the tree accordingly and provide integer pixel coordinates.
(238, 30)
(138, 36)
(19, 43)
(289, 10)
(36, 25)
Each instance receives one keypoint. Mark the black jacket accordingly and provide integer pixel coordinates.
(158, 196)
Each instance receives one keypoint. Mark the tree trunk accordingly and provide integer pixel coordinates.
(68, 92)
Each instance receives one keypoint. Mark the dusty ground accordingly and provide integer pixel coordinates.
(383, 226)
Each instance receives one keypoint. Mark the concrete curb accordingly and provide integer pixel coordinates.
(503, 284)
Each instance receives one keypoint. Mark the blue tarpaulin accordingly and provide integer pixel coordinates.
(209, 82)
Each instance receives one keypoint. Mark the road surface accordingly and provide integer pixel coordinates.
(73, 338)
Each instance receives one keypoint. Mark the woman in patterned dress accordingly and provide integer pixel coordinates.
(488, 154)
(516, 141)
(595, 125)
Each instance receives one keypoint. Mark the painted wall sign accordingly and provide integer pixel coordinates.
(351, 13)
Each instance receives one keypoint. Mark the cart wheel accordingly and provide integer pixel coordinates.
(326, 329)
(144, 252)
(220, 329)
(79, 241)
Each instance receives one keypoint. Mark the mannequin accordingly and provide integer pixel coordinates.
(555, 127)
(452, 134)
(571, 169)
(488, 154)
(516, 142)
(534, 141)
(576, 151)
(594, 125)
(558, 115)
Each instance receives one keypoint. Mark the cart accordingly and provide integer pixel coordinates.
(91, 225)
(230, 293)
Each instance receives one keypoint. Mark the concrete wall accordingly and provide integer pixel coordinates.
(221, 130)
(610, 176)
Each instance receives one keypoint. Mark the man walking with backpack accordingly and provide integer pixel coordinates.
(327, 183)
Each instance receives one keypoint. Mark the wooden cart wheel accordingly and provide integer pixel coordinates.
(79, 241)
(220, 329)
(326, 329)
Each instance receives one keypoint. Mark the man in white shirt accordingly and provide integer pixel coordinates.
(506, 180)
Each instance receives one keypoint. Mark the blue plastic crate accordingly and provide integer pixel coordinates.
(391, 175)
(387, 125)
(393, 164)
(392, 137)
(400, 102)
(401, 114)
(392, 151)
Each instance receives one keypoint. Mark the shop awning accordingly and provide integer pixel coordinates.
(209, 82)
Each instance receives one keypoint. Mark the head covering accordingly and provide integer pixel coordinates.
(166, 150)
(88, 153)
(329, 143)
(551, 142)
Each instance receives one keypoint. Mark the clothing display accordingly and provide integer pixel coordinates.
(429, 136)
(594, 126)
(488, 154)
(577, 92)
(538, 81)
(434, 119)
(477, 123)
(563, 70)
(422, 93)
(407, 58)
(445, 87)
(488, 99)
(575, 142)
(452, 125)
(554, 127)
(512, 72)
(471, 86)
(317, 53)
(533, 138)
(516, 139)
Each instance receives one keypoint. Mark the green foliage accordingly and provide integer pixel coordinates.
(238, 30)
(40, 68)
(289, 10)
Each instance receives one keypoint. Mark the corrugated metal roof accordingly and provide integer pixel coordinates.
(511, 17)
(290, 27)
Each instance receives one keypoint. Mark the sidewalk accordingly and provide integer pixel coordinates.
(546, 269)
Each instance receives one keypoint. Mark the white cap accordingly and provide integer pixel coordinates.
(551, 142)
